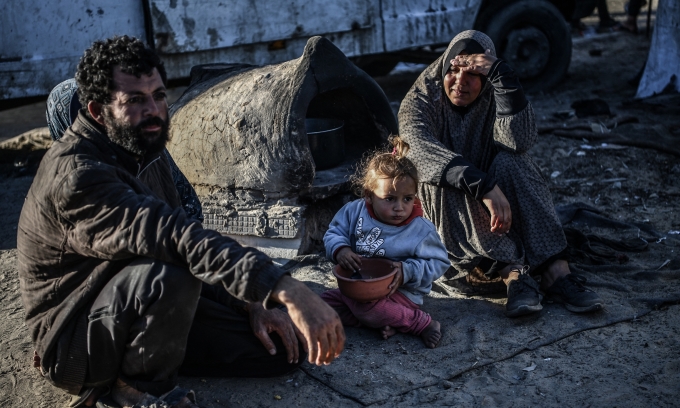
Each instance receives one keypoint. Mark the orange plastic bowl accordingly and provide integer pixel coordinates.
(376, 276)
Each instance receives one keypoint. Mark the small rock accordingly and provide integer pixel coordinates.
(447, 384)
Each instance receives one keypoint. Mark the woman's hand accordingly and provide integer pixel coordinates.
(348, 259)
(398, 279)
(499, 207)
(479, 64)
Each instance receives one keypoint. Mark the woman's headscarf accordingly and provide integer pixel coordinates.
(62, 107)
(472, 41)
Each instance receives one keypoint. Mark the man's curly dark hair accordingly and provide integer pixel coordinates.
(95, 69)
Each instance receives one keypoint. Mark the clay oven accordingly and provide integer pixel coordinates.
(238, 134)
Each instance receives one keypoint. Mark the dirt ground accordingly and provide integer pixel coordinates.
(618, 358)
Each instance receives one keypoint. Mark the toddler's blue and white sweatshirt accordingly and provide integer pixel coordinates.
(415, 243)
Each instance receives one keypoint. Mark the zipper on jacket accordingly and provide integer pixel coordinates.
(141, 170)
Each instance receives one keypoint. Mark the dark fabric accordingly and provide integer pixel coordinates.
(155, 173)
(582, 8)
(66, 366)
(222, 344)
(491, 267)
(603, 13)
(591, 249)
(132, 330)
(87, 215)
(461, 174)
(582, 214)
(508, 92)
(62, 107)
(139, 324)
(187, 194)
(634, 7)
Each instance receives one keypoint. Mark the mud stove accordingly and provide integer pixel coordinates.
(269, 149)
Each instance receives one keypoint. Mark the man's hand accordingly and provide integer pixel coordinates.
(398, 278)
(348, 259)
(318, 322)
(265, 321)
(499, 207)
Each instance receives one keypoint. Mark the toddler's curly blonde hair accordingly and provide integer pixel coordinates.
(381, 164)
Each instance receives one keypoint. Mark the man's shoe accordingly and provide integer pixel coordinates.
(571, 292)
(524, 296)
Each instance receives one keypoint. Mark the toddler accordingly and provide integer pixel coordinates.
(387, 222)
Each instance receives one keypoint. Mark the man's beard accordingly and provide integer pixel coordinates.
(133, 138)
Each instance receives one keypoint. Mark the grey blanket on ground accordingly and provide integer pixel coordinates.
(475, 329)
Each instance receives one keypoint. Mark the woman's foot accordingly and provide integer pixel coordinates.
(432, 334)
(126, 396)
(387, 332)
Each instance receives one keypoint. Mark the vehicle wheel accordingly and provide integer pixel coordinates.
(533, 37)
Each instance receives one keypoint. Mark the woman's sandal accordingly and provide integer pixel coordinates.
(167, 400)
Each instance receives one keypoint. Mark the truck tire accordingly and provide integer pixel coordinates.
(534, 38)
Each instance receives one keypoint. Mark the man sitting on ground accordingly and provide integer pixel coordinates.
(111, 274)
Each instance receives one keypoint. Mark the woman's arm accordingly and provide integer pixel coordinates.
(515, 126)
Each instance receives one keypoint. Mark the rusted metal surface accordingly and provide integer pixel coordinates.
(41, 42)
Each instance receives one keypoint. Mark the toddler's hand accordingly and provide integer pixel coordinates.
(348, 259)
(398, 278)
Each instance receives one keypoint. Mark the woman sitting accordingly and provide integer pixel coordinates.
(469, 127)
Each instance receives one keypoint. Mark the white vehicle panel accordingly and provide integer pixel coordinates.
(186, 26)
(412, 23)
(41, 42)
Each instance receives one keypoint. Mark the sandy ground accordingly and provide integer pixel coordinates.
(625, 356)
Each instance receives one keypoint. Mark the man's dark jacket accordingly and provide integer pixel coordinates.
(88, 214)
